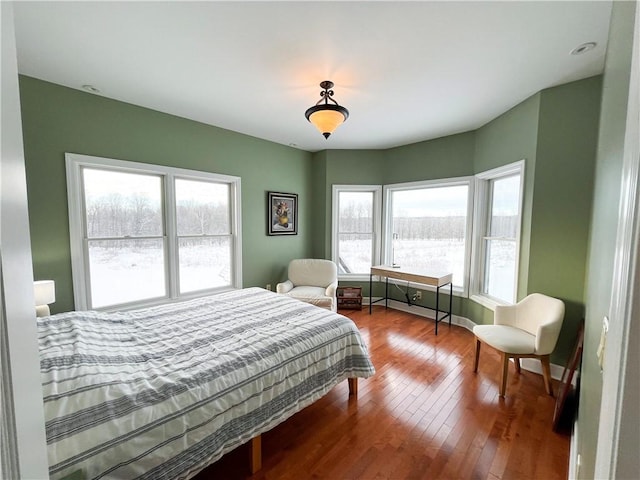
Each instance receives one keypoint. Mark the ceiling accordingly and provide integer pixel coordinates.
(407, 71)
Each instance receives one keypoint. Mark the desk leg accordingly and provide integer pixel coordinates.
(437, 307)
(450, 300)
(370, 291)
(386, 294)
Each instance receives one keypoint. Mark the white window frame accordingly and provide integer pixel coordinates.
(480, 225)
(387, 241)
(377, 222)
(77, 228)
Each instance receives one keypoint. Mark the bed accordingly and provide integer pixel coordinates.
(163, 392)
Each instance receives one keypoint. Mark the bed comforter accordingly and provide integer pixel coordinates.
(163, 392)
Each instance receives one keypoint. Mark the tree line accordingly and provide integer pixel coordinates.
(117, 215)
(435, 228)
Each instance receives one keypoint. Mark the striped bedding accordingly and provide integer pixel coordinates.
(163, 392)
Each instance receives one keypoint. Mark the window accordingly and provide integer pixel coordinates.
(498, 219)
(124, 238)
(204, 234)
(356, 227)
(142, 234)
(428, 227)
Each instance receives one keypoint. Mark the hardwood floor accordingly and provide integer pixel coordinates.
(423, 415)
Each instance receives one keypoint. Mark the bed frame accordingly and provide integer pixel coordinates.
(255, 445)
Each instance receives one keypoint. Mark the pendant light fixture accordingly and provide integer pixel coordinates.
(324, 115)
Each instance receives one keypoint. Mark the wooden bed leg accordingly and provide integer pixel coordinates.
(255, 460)
(353, 386)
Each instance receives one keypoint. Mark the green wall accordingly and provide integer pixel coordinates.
(58, 120)
(554, 131)
(446, 157)
(561, 213)
(608, 174)
(319, 204)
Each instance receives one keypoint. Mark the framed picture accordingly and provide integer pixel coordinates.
(282, 213)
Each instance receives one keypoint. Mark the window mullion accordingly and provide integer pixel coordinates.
(236, 234)
(504, 239)
(78, 237)
(126, 237)
(86, 299)
(171, 236)
(207, 235)
(370, 232)
(486, 244)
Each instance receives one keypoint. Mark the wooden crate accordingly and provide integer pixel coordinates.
(349, 297)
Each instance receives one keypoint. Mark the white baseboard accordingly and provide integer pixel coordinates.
(529, 364)
(574, 456)
(430, 313)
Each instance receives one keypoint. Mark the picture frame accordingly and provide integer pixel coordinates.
(282, 213)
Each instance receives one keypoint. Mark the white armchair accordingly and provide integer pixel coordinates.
(313, 281)
(528, 329)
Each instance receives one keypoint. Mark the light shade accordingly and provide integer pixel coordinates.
(44, 292)
(326, 116)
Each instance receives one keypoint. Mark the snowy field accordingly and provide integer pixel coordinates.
(436, 256)
(135, 269)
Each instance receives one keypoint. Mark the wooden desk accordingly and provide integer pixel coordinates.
(433, 279)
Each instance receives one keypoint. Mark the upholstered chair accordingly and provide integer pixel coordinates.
(528, 329)
(313, 281)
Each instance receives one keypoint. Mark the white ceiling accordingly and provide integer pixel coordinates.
(407, 71)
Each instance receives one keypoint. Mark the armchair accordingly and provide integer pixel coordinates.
(528, 329)
(313, 281)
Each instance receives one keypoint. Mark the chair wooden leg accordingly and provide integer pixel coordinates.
(477, 356)
(516, 360)
(505, 371)
(546, 373)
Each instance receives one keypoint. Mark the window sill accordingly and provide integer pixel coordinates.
(124, 307)
(357, 277)
(487, 302)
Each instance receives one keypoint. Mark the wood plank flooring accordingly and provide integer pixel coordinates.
(423, 415)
